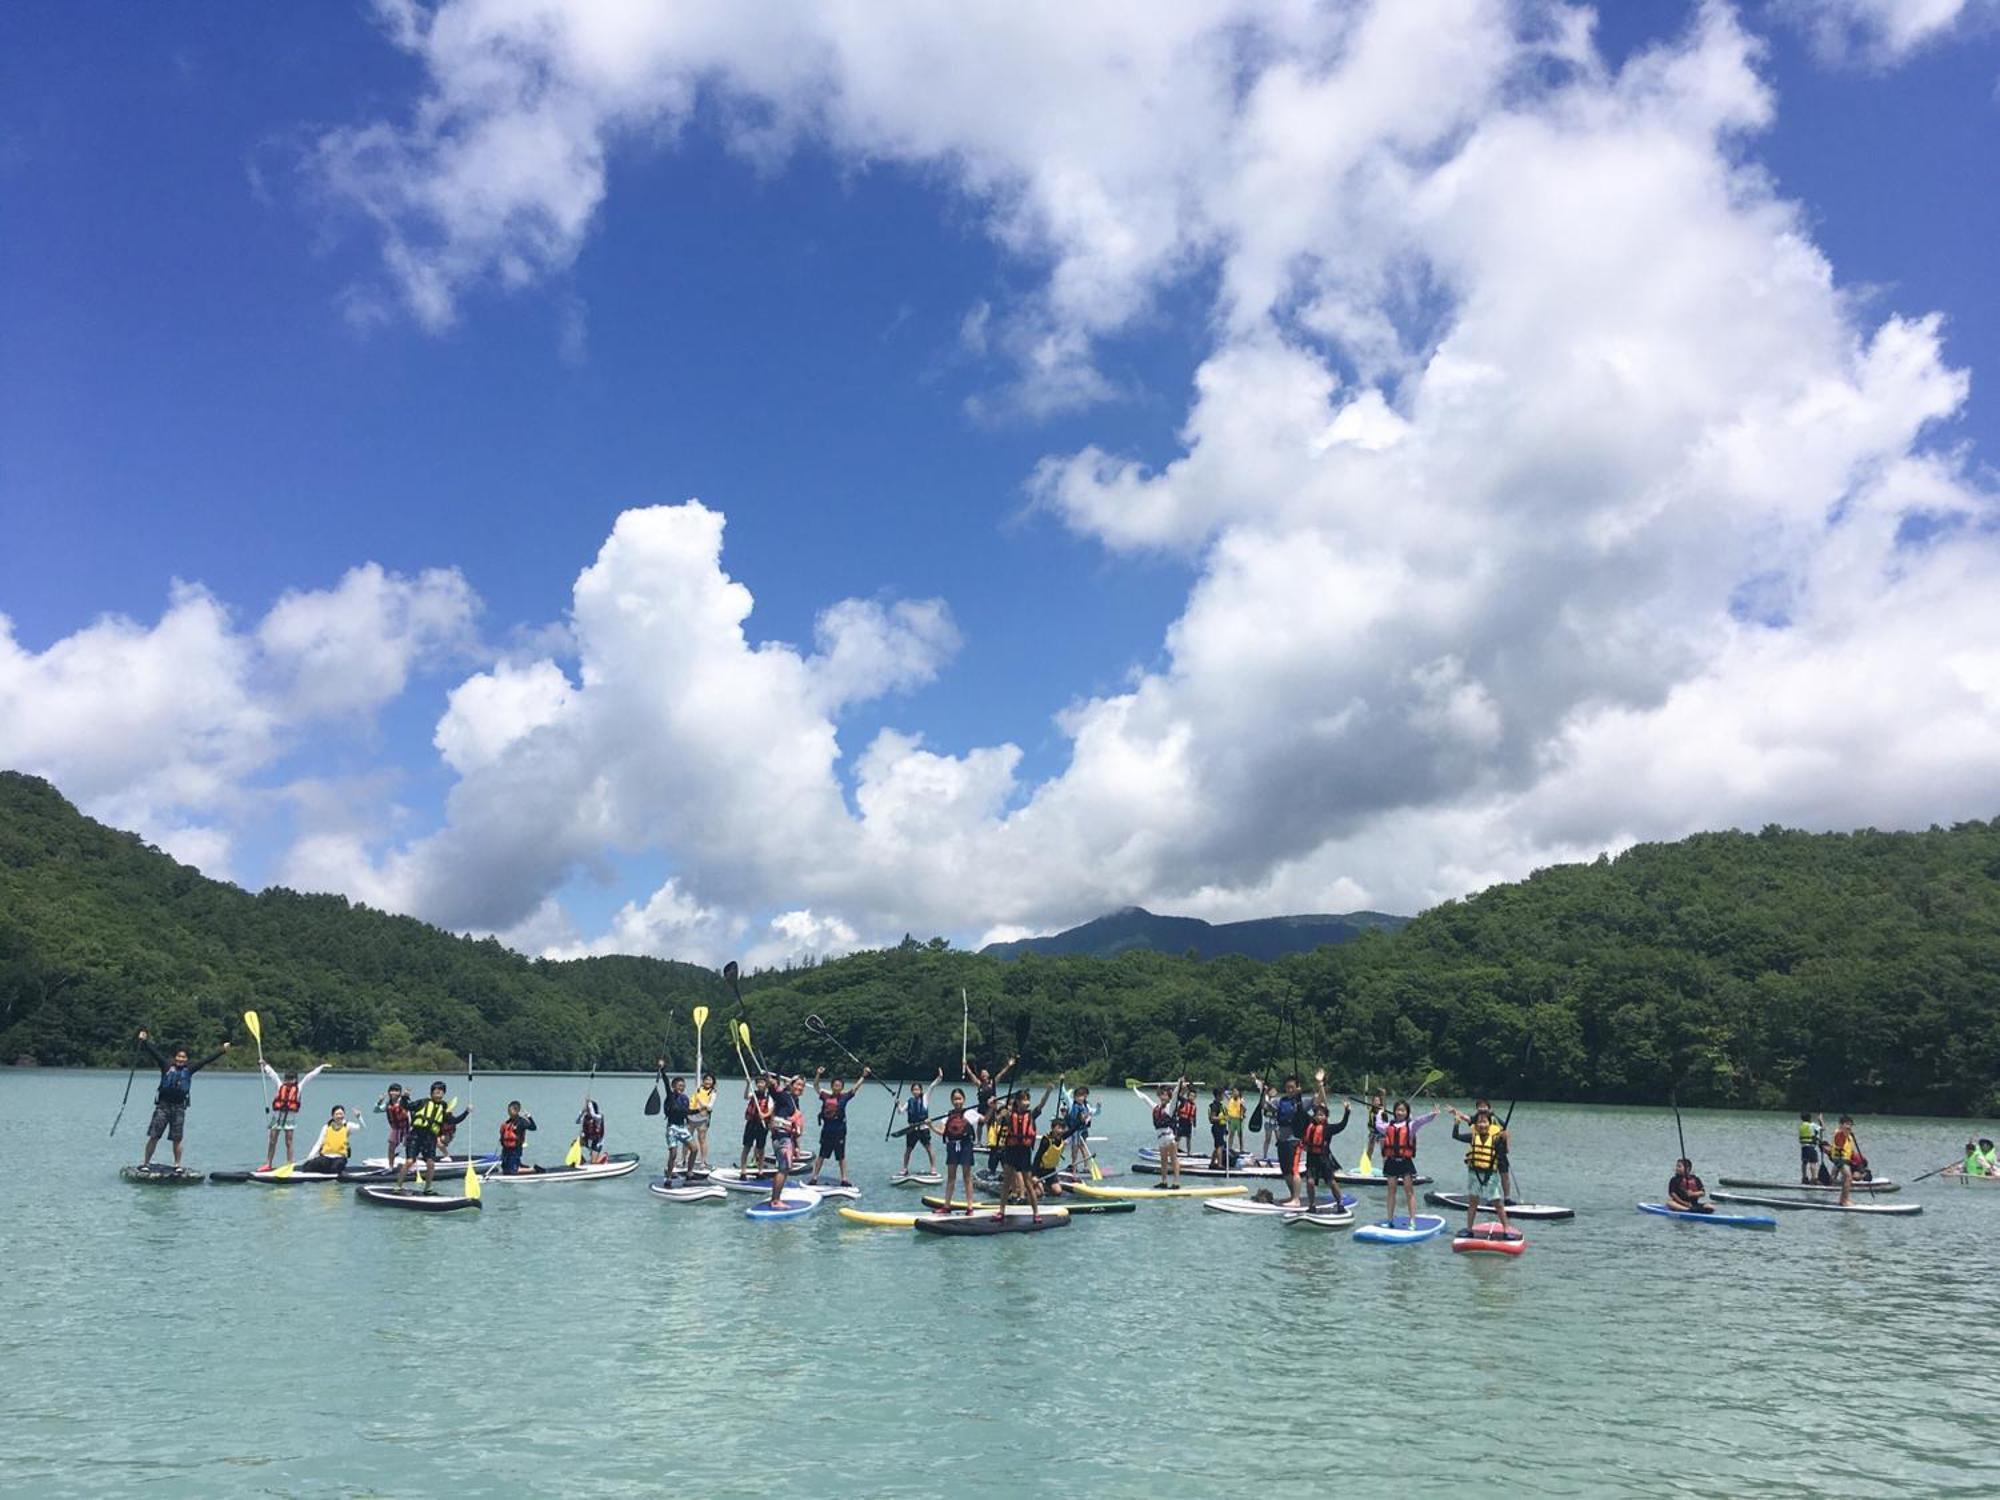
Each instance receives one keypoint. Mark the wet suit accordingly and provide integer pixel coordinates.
(1690, 1190)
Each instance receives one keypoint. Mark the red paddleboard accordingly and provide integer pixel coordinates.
(1490, 1239)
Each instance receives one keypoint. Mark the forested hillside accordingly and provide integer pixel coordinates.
(1845, 970)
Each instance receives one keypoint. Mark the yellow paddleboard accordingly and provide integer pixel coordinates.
(1092, 1190)
(880, 1221)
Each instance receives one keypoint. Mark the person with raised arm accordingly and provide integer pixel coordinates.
(171, 1099)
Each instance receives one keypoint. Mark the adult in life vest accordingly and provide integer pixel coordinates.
(284, 1107)
(1849, 1164)
(514, 1139)
(331, 1147)
(1486, 1141)
(171, 1099)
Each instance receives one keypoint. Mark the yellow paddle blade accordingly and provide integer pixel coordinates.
(471, 1180)
(700, 1017)
(284, 1171)
(1096, 1172)
(1364, 1166)
(574, 1156)
(256, 1031)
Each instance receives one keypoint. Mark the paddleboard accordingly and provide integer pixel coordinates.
(1755, 1184)
(1400, 1231)
(1489, 1239)
(878, 1221)
(595, 1171)
(828, 1190)
(706, 1192)
(1754, 1200)
(1514, 1210)
(162, 1176)
(1323, 1219)
(444, 1163)
(917, 1179)
(1068, 1202)
(1272, 1210)
(790, 1206)
(1092, 1190)
(1017, 1220)
(1152, 1169)
(1725, 1221)
(1374, 1179)
(420, 1202)
(274, 1178)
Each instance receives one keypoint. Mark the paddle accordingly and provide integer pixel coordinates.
(819, 1028)
(1955, 1161)
(700, 1020)
(574, 1156)
(964, 1028)
(1678, 1131)
(1429, 1078)
(128, 1089)
(468, 1067)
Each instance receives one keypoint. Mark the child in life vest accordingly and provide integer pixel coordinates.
(514, 1139)
(285, 1105)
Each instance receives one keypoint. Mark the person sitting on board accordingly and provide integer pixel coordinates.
(1077, 1118)
(833, 1123)
(1165, 1142)
(1972, 1166)
(787, 1125)
(677, 1109)
(756, 1125)
(1218, 1129)
(1317, 1161)
(917, 1125)
(1048, 1162)
(395, 1106)
(171, 1098)
(1485, 1138)
(428, 1123)
(329, 1148)
(514, 1140)
(590, 1131)
(959, 1128)
(1399, 1156)
(701, 1109)
(285, 1106)
(1810, 1135)
(1989, 1164)
(1687, 1193)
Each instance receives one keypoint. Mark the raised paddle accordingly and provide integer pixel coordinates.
(574, 1156)
(819, 1028)
(700, 1020)
(1429, 1078)
(128, 1089)
(1673, 1099)
(964, 1027)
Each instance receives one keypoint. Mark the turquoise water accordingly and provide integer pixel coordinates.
(239, 1340)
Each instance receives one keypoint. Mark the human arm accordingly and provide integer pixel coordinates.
(1006, 1070)
(154, 1053)
(215, 1056)
(308, 1078)
(271, 1075)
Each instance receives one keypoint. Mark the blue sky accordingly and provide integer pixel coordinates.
(210, 374)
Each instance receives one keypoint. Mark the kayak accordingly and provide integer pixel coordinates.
(878, 1221)
(1959, 1177)
(1754, 1200)
(1102, 1206)
(595, 1171)
(1726, 1221)
(1490, 1239)
(421, 1202)
(1514, 1210)
(444, 1163)
(1872, 1185)
(1092, 1190)
(790, 1206)
(1374, 1179)
(1272, 1210)
(1016, 1220)
(706, 1192)
(1400, 1231)
(162, 1176)
(1152, 1169)
(917, 1179)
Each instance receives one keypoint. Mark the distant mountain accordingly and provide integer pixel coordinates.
(1264, 938)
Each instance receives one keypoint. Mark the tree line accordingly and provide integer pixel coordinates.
(1762, 970)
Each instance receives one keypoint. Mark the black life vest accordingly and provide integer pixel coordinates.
(1163, 1118)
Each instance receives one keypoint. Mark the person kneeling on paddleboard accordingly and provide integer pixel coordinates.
(514, 1140)
(1686, 1192)
(1398, 1138)
(170, 1100)
(428, 1122)
(590, 1131)
(1049, 1156)
(329, 1148)
(1485, 1139)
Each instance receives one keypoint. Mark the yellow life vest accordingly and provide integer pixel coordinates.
(1805, 1132)
(334, 1141)
(1485, 1149)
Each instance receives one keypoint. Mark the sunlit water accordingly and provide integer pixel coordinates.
(590, 1340)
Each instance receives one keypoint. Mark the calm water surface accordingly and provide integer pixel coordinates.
(591, 1340)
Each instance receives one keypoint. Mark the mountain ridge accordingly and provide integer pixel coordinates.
(1261, 938)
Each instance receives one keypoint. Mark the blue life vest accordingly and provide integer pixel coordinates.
(1292, 1114)
(176, 1085)
(1079, 1118)
(917, 1111)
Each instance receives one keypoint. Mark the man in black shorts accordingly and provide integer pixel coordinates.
(170, 1100)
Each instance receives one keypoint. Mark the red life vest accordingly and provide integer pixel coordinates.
(1163, 1118)
(1399, 1141)
(752, 1110)
(593, 1129)
(1317, 1134)
(1020, 1127)
(956, 1125)
(1184, 1112)
(399, 1117)
(286, 1100)
(511, 1135)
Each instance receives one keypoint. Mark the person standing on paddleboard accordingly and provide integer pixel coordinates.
(1686, 1192)
(171, 1098)
(1848, 1162)
(1398, 1140)
(514, 1139)
(395, 1107)
(1165, 1141)
(756, 1123)
(958, 1128)
(676, 1111)
(1293, 1110)
(1378, 1116)
(1485, 1141)
(917, 1125)
(1077, 1119)
(1318, 1163)
(285, 1106)
(1232, 1119)
(1218, 1129)
(1018, 1129)
(1810, 1138)
(833, 1123)
(330, 1149)
(787, 1125)
(987, 1086)
(701, 1109)
(427, 1131)
(1267, 1106)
